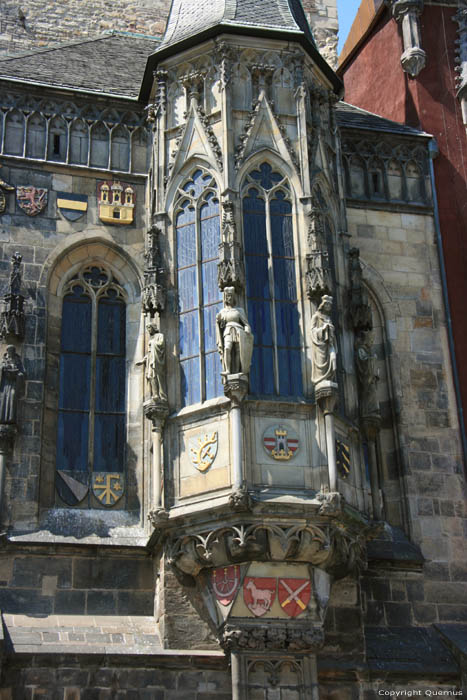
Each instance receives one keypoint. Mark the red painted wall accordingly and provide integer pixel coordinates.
(374, 80)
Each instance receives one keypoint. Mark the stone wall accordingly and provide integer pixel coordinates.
(32, 24)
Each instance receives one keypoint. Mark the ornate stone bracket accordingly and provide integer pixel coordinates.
(154, 290)
(336, 546)
(461, 18)
(12, 316)
(276, 637)
(407, 14)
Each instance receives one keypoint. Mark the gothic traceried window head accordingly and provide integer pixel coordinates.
(91, 406)
(271, 284)
(197, 227)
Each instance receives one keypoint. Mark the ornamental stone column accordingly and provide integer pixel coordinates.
(407, 15)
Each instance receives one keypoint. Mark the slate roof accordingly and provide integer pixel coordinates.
(187, 19)
(349, 116)
(112, 64)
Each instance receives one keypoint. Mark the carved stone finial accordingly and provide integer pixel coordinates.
(12, 317)
(359, 307)
(407, 14)
(154, 293)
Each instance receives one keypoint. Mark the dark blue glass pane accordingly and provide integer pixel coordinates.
(187, 289)
(257, 277)
(254, 227)
(211, 292)
(288, 329)
(284, 279)
(111, 327)
(266, 176)
(290, 383)
(259, 317)
(262, 372)
(209, 320)
(186, 246)
(210, 236)
(110, 384)
(186, 215)
(74, 382)
(76, 323)
(191, 390)
(189, 334)
(109, 443)
(282, 236)
(210, 207)
(213, 369)
(72, 441)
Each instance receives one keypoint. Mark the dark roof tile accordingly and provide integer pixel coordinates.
(349, 116)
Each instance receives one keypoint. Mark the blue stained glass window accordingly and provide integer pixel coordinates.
(91, 403)
(271, 284)
(198, 238)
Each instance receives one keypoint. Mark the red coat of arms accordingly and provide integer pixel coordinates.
(32, 200)
(294, 595)
(225, 583)
(259, 594)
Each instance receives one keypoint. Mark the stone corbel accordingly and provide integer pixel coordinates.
(407, 15)
(461, 69)
(285, 638)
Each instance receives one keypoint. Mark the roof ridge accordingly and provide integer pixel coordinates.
(108, 34)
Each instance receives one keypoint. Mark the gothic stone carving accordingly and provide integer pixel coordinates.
(324, 348)
(155, 364)
(366, 375)
(230, 270)
(234, 336)
(12, 316)
(359, 307)
(11, 384)
(461, 18)
(318, 275)
(154, 292)
(407, 13)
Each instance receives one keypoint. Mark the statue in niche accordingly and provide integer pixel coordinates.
(360, 309)
(323, 338)
(234, 336)
(11, 384)
(155, 363)
(367, 377)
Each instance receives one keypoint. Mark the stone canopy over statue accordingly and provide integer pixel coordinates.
(234, 336)
(323, 338)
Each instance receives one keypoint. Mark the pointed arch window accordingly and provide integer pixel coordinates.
(271, 284)
(197, 226)
(91, 406)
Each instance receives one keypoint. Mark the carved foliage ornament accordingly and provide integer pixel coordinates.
(271, 638)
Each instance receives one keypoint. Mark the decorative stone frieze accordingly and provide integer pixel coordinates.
(248, 637)
(407, 14)
(12, 317)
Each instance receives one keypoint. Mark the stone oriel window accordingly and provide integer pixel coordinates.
(271, 284)
(91, 402)
(197, 230)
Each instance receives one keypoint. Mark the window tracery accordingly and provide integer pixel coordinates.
(271, 283)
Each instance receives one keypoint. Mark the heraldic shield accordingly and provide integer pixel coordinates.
(225, 583)
(32, 200)
(108, 488)
(259, 594)
(245, 344)
(294, 595)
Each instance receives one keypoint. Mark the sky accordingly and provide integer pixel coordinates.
(346, 9)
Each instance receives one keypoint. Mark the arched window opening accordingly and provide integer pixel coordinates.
(241, 88)
(394, 179)
(120, 149)
(36, 136)
(79, 145)
(91, 405)
(357, 178)
(140, 151)
(58, 138)
(376, 179)
(99, 146)
(197, 240)
(271, 284)
(14, 133)
(415, 189)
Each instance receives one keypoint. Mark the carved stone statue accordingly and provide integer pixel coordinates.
(11, 383)
(234, 336)
(323, 338)
(366, 375)
(155, 363)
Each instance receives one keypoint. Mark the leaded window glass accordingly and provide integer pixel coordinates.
(91, 406)
(197, 227)
(271, 284)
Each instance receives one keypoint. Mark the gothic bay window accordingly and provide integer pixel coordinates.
(271, 284)
(197, 226)
(91, 407)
